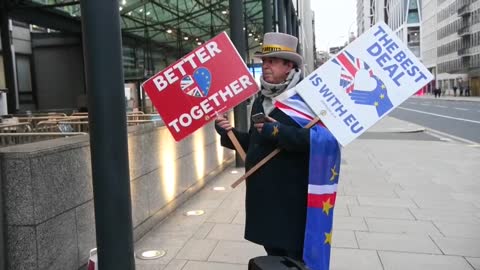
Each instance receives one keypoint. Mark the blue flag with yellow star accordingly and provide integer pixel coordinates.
(324, 168)
(322, 192)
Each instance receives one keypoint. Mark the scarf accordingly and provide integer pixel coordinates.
(270, 90)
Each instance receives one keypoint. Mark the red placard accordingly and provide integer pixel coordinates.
(208, 81)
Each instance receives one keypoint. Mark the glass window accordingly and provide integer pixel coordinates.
(23, 74)
(413, 4)
(2, 74)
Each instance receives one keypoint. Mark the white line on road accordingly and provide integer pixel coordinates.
(440, 106)
(425, 104)
(440, 115)
(461, 109)
(448, 137)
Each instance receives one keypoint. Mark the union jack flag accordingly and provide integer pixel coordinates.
(189, 86)
(350, 66)
(197, 85)
(293, 105)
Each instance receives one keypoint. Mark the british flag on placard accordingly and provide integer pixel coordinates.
(197, 85)
(189, 86)
(350, 66)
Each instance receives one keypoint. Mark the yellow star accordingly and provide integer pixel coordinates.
(382, 96)
(383, 86)
(376, 104)
(327, 206)
(334, 173)
(328, 238)
(275, 131)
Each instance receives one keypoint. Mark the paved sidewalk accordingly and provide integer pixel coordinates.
(406, 200)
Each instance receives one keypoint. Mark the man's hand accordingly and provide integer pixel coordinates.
(259, 126)
(223, 122)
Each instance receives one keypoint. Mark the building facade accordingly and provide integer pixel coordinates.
(443, 34)
(369, 12)
(306, 35)
(457, 26)
(402, 16)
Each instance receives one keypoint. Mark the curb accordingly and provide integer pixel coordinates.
(401, 131)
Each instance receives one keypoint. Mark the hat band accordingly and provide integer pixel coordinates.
(275, 48)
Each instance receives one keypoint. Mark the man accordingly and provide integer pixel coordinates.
(276, 194)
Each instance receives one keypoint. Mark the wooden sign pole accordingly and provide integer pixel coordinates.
(236, 143)
(267, 158)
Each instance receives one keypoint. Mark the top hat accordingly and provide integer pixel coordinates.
(282, 46)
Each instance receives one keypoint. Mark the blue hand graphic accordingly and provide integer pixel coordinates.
(377, 97)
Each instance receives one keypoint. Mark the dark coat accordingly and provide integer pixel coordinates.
(276, 197)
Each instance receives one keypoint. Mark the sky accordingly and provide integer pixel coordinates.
(334, 19)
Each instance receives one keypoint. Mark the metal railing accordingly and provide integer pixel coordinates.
(463, 10)
(465, 30)
(30, 128)
(14, 128)
(8, 139)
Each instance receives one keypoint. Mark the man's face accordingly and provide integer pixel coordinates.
(275, 70)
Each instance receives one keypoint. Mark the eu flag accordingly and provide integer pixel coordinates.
(324, 169)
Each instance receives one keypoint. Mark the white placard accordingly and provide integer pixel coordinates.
(363, 83)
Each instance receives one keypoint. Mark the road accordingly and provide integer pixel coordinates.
(458, 118)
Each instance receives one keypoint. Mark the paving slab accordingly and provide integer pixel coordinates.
(143, 266)
(397, 242)
(235, 252)
(467, 197)
(348, 259)
(459, 230)
(341, 211)
(203, 230)
(344, 239)
(366, 190)
(380, 212)
(232, 232)
(349, 223)
(429, 203)
(239, 218)
(458, 246)
(197, 250)
(475, 262)
(411, 261)
(446, 215)
(389, 202)
(346, 200)
(222, 216)
(194, 265)
(175, 264)
(402, 226)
